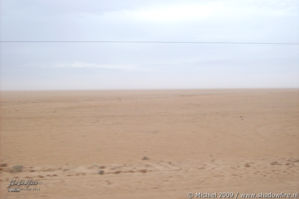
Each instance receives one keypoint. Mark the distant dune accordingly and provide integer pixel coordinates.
(149, 144)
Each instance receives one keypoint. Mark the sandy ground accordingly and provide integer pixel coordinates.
(149, 144)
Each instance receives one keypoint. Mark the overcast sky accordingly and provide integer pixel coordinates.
(151, 66)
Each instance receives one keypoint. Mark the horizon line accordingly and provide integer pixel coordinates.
(148, 89)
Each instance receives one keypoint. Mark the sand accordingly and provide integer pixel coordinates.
(149, 144)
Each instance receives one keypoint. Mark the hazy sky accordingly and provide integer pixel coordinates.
(136, 66)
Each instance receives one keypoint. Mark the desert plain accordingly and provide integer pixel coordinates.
(149, 144)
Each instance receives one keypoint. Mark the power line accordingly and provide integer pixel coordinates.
(153, 42)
